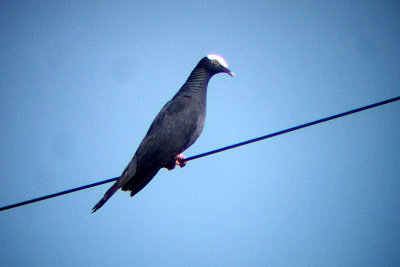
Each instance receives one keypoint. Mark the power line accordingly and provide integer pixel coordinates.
(294, 128)
(57, 194)
(214, 151)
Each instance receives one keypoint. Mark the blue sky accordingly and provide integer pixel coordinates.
(81, 82)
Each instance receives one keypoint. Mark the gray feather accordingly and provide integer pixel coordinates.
(176, 127)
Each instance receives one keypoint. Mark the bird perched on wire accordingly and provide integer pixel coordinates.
(176, 127)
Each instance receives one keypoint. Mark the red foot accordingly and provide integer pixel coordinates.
(180, 161)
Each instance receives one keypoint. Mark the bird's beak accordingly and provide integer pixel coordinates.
(230, 72)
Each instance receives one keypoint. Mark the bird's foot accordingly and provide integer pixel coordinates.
(180, 160)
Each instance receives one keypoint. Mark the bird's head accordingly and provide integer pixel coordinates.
(216, 64)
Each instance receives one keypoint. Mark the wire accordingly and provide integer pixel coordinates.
(57, 194)
(294, 128)
(215, 151)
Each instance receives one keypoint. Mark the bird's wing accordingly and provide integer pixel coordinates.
(174, 129)
(169, 134)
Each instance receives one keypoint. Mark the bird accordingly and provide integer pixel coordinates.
(175, 128)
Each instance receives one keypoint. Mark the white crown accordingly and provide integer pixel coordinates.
(220, 59)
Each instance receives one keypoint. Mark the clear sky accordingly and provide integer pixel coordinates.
(81, 82)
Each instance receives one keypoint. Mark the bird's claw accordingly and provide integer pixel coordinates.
(180, 160)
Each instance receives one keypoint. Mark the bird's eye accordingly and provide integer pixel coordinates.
(215, 62)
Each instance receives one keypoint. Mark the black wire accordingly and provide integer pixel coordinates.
(57, 194)
(215, 151)
(294, 128)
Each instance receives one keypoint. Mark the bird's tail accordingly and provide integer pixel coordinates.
(106, 196)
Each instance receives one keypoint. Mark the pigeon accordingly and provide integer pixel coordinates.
(176, 127)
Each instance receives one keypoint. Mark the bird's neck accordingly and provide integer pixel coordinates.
(196, 83)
